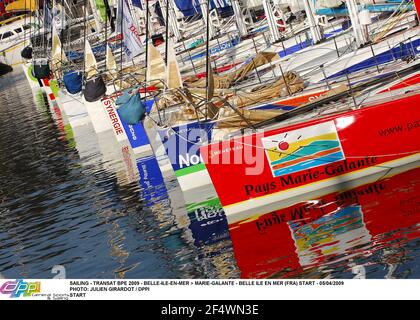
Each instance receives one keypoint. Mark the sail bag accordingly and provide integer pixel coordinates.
(73, 81)
(130, 106)
(41, 68)
(26, 53)
(95, 89)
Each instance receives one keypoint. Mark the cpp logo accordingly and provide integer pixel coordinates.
(19, 288)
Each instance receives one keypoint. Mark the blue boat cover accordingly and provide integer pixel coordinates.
(137, 3)
(73, 81)
(192, 7)
(187, 7)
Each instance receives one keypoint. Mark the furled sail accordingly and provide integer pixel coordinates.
(291, 83)
(156, 69)
(173, 75)
(227, 80)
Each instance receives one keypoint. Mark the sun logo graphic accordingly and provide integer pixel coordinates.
(303, 149)
(20, 288)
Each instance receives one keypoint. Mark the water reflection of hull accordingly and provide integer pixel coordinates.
(69, 114)
(338, 226)
(203, 215)
(49, 89)
(78, 120)
(162, 195)
(197, 208)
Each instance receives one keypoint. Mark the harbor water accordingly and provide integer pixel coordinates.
(69, 213)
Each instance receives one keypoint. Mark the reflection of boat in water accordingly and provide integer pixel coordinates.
(336, 229)
(205, 229)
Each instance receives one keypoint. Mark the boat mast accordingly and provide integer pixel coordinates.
(84, 40)
(271, 20)
(313, 23)
(147, 45)
(204, 5)
(243, 30)
(206, 14)
(360, 35)
(144, 4)
(169, 14)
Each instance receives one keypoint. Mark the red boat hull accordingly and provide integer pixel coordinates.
(313, 156)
